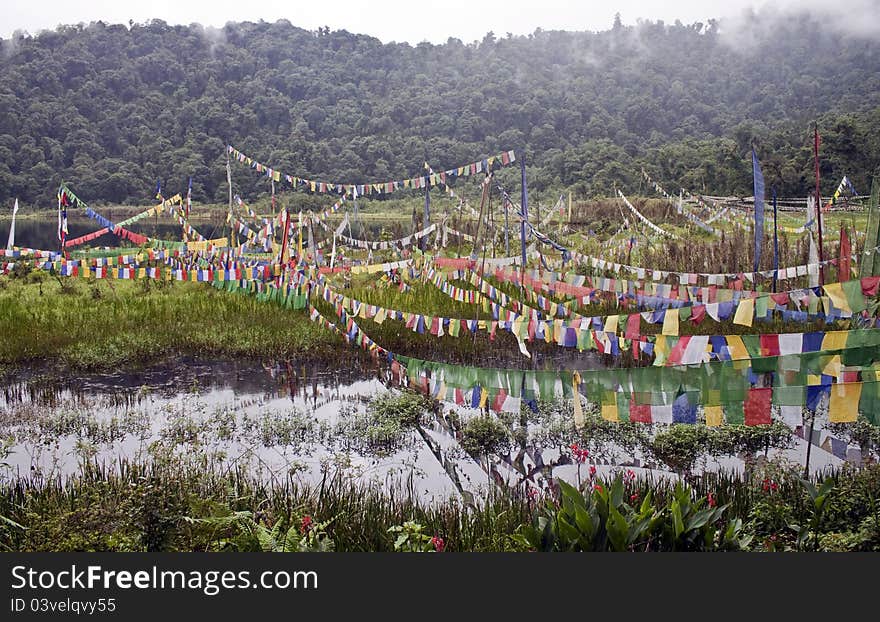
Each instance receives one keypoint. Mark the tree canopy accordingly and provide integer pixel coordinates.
(111, 108)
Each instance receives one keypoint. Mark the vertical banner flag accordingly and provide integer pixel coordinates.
(816, 142)
(844, 272)
(759, 207)
(11, 242)
(813, 264)
(232, 230)
(525, 213)
(870, 264)
(775, 242)
(62, 216)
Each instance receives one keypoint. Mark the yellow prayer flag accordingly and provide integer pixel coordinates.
(670, 323)
(844, 405)
(611, 323)
(558, 331)
(737, 349)
(714, 416)
(745, 312)
(484, 396)
(833, 367)
(661, 350)
(835, 293)
(609, 412)
(834, 340)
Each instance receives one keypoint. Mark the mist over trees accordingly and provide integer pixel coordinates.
(111, 108)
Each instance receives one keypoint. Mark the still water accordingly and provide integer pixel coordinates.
(272, 419)
(277, 422)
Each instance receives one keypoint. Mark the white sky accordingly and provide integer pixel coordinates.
(412, 21)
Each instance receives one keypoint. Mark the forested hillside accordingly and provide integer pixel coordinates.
(111, 108)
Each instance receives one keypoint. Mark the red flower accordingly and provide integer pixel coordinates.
(768, 485)
(592, 470)
(598, 488)
(305, 524)
(711, 498)
(634, 497)
(580, 455)
(533, 493)
(439, 544)
(630, 474)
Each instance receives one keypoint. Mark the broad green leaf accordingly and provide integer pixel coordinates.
(677, 522)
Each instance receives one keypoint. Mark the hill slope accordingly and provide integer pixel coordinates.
(111, 108)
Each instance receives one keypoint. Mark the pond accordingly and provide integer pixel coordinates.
(278, 422)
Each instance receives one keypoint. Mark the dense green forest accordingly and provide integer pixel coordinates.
(111, 108)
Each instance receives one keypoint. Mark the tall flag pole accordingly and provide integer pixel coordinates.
(506, 204)
(62, 216)
(272, 242)
(816, 142)
(427, 218)
(189, 190)
(233, 237)
(525, 214)
(759, 207)
(11, 241)
(775, 243)
(299, 242)
(284, 236)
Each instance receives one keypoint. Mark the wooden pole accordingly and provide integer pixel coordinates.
(819, 206)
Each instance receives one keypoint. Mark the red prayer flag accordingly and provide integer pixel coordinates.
(844, 273)
(780, 298)
(640, 413)
(869, 285)
(498, 402)
(757, 406)
(678, 349)
(632, 326)
(769, 345)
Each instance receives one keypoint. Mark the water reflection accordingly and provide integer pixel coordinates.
(282, 420)
(276, 419)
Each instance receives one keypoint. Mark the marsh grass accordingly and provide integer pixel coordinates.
(136, 506)
(109, 324)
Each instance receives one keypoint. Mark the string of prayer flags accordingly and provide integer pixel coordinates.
(386, 187)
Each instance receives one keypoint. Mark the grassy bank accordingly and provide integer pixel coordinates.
(107, 324)
(136, 507)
